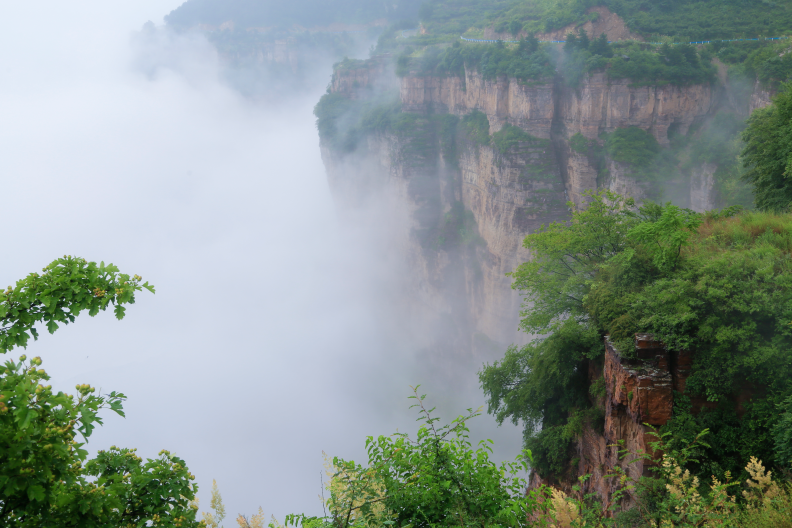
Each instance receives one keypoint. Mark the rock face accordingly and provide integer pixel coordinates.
(638, 391)
(359, 78)
(546, 110)
(760, 97)
(508, 194)
(529, 106)
(603, 105)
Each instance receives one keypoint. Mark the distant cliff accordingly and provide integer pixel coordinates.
(510, 191)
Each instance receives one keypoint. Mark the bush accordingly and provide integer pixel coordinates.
(509, 136)
(476, 125)
(766, 155)
(719, 284)
(632, 145)
(782, 433)
(436, 479)
(46, 478)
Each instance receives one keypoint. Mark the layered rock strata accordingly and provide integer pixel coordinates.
(509, 194)
(639, 395)
(551, 110)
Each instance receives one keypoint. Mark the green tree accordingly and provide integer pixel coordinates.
(45, 476)
(435, 479)
(783, 435)
(542, 382)
(718, 284)
(600, 46)
(767, 155)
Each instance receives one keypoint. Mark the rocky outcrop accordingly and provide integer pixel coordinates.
(551, 110)
(600, 20)
(602, 104)
(356, 79)
(618, 178)
(639, 393)
(531, 106)
(761, 96)
(599, 105)
(510, 194)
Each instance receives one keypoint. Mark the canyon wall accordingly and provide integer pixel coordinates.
(509, 194)
(503, 194)
(639, 395)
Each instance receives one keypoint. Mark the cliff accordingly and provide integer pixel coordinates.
(507, 194)
(639, 393)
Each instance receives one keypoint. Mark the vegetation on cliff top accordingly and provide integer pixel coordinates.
(643, 64)
(680, 19)
(530, 61)
(768, 153)
(526, 61)
(719, 284)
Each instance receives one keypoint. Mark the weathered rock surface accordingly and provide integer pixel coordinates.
(510, 195)
(760, 97)
(529, 106)
(638, 391)
(603, 105)
(606, 22)
(361, 78)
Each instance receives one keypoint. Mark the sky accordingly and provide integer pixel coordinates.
(277, 331)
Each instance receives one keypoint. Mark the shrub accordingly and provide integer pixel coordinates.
(476, 124)
(510, 136)
(436, 479)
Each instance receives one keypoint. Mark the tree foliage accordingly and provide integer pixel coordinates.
(718, 284)
(767, 155)
(66, 288)
(46, 478)
(436, 479)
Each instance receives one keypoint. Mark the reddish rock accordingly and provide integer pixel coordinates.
(639, 394)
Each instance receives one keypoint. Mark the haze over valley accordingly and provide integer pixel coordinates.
(573, 215)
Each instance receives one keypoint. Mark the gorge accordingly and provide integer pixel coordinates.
(480, 161)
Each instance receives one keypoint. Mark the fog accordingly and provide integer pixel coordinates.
(277, 331)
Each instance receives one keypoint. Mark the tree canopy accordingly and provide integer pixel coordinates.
(719, 284)
(767, 155)
(46, 478)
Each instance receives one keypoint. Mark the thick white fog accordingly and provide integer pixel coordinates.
(276, 332)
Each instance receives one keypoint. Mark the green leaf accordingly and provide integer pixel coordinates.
(36, 493)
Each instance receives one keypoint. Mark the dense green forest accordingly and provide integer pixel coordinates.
(683, 20)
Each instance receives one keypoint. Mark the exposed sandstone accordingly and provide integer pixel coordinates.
(510, 195)
(361, 78)
(603, 105)
(638, 391)
(760, 97)
(606, 22)
(530, 106)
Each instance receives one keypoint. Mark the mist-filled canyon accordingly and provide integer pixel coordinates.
(571, 215)
(278, 331)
